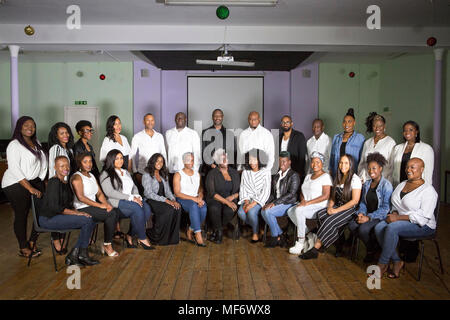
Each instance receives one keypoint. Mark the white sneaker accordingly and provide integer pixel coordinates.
(297, 248)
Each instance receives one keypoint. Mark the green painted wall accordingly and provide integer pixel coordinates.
(338, 92)
(46, 88)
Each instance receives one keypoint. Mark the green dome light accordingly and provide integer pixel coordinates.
(222, 12)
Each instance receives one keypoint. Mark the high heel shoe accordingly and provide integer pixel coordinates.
(130, 245)
(112, 254)
(395, 273)
(144, 246)
(199, 244)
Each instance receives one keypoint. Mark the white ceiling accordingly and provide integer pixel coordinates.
(416, 13)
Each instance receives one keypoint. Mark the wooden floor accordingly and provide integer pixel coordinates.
(233, 270)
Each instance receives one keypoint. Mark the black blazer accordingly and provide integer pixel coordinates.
(297, 149)
(79, 147)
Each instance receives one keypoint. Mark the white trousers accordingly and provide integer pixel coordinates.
(298, 215)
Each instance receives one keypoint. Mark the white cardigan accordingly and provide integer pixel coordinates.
(422, 151)
(418, 204)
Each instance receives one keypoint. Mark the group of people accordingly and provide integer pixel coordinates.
(380, 190)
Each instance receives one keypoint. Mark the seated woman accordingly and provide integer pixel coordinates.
(123, 194)
(189, 193)
(87, 190)
(167, 212)
(314, 196)
(56, 212)
(222, 186)
(413, 204)
(283, 196)
(255, 189)
(375, 204)
(343, 204)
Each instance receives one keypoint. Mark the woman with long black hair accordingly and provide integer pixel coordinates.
(123, 194)
(342, 206)
(60, 142)
(167, 211)
(114, 140)
(27, 168)
(85, 131)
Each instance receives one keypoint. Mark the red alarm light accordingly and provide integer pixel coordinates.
(102, 77)
(351, 74)
(431, 41)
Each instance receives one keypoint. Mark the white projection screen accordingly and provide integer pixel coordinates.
(235, 95)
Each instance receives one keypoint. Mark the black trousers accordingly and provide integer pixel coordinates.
(166, 227)
(20, 199)
(219, 214)
(108, 218)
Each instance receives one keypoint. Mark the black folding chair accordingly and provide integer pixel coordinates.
(422, 244)
(39, 229)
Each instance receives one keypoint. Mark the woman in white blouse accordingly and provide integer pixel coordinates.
(413, 204)
(123, 194)
(411, 148)
(255, 189)
(27, 168)
(314, 196)
(114, 140)
(380, 142)
(60, 142)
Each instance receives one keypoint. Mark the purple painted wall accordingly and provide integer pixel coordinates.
(164, 93)
(276, 98)
(147, 95)
(305, 98)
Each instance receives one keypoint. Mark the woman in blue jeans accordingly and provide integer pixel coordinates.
(123, 194)
(413, 204)
(374, 206)
(255, 189)
(188, 191)
(56, 212)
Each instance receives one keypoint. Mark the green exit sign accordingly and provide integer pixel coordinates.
(80, 102)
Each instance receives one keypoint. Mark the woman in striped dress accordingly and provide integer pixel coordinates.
(255, 189)
(342, 206)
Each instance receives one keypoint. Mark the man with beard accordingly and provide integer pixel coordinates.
(294, 142)
(214, 138)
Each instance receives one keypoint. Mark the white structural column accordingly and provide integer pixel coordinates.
(14, 50)
(438, 54)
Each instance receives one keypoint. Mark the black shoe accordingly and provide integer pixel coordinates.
(130, 245)
(84, 258)
(199, 244)
(311, 254)
(254, 241)
(72, 258)
(219, 237)
(272, 242)
(212, 236)
(144, 246)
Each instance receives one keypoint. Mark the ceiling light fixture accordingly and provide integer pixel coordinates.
(222, 2)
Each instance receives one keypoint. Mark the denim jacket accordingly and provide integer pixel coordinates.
(384, 192)
(354, 148)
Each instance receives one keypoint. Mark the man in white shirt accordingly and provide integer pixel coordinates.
(180, 140)
(319, 142)
(145, 144)
(256, 137)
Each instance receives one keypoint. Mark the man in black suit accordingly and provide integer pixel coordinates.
(294, 142)
(216, 137)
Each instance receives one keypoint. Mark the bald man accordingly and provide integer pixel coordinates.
(180, 140)
(257, 137)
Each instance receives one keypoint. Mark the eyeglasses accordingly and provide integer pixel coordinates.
(285, 122)
(88, 130)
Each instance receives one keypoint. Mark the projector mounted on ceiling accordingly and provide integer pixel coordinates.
(226, 59)
(222, 2)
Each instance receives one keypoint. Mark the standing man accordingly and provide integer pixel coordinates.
(180, 140)
(257, 137)
(214, 138)
(294, 142)
(319, 142)
(145, 144)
